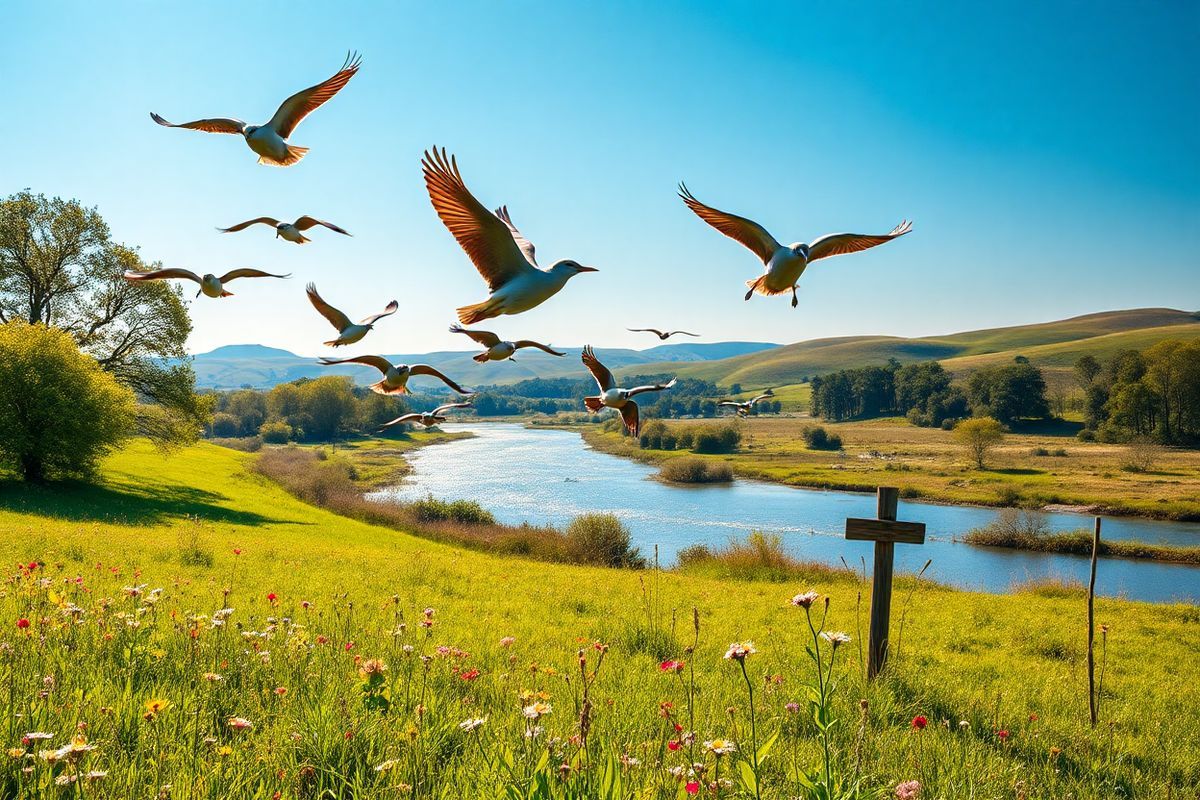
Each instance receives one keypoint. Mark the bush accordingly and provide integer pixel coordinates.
(225, 426)
(695, 470)
(60, 413)
(715, 439)
(651, 438)
(980, 436)
(1141, 455)
(760, 557)
(467, 512)
(817, 438)
(275, 432)
(601, 539)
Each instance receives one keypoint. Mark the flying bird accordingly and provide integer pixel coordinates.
(744, 409)
(395, 376)
(613, 397)
(503, 256)
(498, 350)
(784, 265)
(291, 231)
(428, 419)
(210, 285)
(664, 335)
(348, 332)
(270, 140)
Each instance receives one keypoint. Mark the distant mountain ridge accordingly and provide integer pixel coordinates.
(261, 367)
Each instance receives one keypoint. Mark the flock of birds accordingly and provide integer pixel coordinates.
(500, 252)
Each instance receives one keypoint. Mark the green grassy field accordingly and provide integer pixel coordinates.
(113, 633)
(1050, 344)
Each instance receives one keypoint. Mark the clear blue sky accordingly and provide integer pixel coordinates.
(1048, 154)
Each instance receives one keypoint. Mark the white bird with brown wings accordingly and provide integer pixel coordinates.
(210, 285)
(395, 376)
(502, 255)
(289, 231)
(744, 409)
(784, 264)
(611, 396)
(348, 332)
(270, 140)
(497, 348)
(428, 418)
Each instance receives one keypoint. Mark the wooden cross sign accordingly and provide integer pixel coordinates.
(884, 531)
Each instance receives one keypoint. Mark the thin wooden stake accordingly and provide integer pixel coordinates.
(887, 499)
(1091, 619)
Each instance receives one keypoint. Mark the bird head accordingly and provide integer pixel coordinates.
(249, 130)
(801, 250)
(570, 268)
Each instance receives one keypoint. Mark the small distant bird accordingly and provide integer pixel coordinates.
(210, 285)
(784, 265)
(428, 419)
(503, 256)
(395, 376)
(664, 335)
(291, 231)
(348, 332)
(744, 409)
(498, 350)
(270, 140)
(613, 397)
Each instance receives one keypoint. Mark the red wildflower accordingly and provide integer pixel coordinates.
(1002, 735)
(692, 787)
(470, 675)
(271, 597)
(1033, 717)
(349, 646)
(672, 745)
(22, 623)
(672, 666)
(919, 722)
(237, 551)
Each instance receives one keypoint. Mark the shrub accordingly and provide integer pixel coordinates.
(759, 557)
(817, 438)
(1141, 455)
(980, 436)
(467, 512)
(225, 425)
(715, 439)
(1039, 451)
(275, 432)
(651, 438)
(60, 413)
(695, 470)
(695, 554)
(601, 539)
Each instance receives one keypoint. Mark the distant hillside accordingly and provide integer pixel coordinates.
(1054, 344)
(260, 367)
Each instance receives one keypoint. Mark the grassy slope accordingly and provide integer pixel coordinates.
(927, 462)
(1099, 334)
(991, 660)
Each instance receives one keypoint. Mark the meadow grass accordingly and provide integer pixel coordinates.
(354, 654)
(927, 463)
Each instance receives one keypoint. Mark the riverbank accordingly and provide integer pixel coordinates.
(928, 465)
(1026, 531)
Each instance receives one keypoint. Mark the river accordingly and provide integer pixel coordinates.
(547, 476)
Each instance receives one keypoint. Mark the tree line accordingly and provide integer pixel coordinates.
(1151, 394)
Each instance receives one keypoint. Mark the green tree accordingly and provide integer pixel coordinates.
(1009, 393)
(59, 411)
(328, 407)
(980, 436)
(59, 267)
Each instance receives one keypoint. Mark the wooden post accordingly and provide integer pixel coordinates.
(1091, 619)
(885, 531)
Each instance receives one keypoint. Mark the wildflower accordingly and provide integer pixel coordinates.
(224, 750)
(534, 732)
(239, 723)
(372, 667)
(739, 650)
(628, 760)
(272, 597)
(919, 722)
(673, 745)
(805, 600)
(691, 787)
(672, 666)
(835, 638)
(720, 747)
(22, 623)
(469, 675)
(237, 551)
(281, 691)
(471, 724)
(908, 790)
(1002, 735)
(508, 641)
(16, 752)
(157, 705)
(792, 708)
(963, 724)
(305, 605)
(1033, 717)
(96, 775)
(212, 677)
(537, 710)
(36, 736)
(386, 765)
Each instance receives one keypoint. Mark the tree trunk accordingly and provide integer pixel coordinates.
(31, 469)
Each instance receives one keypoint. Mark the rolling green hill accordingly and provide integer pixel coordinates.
(1050, 344)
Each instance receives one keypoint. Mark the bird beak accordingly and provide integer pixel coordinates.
(586, 269)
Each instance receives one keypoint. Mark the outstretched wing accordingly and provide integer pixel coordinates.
(604, 378)
(214, 125)
(484, 236)
(729, 403)
(761, 397)
(655, 331)
(529, 343)
(378, 362)
(839, 244)
(440, 409)
(241, 226)
(306, 222)
(399, 421)
(518, 237)
(629, 415)
(485, 338)
(387, 312)
(247, 272)
(425, 369)
(160, 274)
(682, 333)
(336, 318)
(301, 104)
(657, 387)
(748, 232)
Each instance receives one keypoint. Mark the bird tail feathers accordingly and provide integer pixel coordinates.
(759, 285)
(469, 315)
(380, 387)
(593, 404)
(294, 154)
(481, 358)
